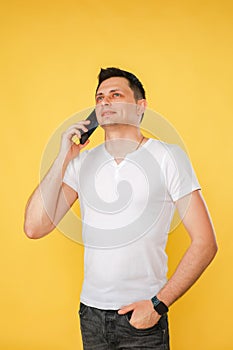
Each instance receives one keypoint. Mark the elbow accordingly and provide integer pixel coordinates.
(212, 250)
(30, 232)
(206, 250)
(34, 232)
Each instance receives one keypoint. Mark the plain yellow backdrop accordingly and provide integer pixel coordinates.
(51, 53)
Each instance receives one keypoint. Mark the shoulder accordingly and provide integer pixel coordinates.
(87, 155)
(164, 149)
(77, 161)
(169, 156)
(163, 146)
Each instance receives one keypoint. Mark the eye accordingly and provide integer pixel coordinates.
(99, 98)
(116, 94)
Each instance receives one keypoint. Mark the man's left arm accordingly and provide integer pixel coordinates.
(203, 247)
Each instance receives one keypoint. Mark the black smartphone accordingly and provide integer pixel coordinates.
(91, 127)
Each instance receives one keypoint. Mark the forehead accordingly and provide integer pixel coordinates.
(114, 83)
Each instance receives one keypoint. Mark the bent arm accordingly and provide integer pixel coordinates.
(200, 253)
(48, 203)
(52, 198)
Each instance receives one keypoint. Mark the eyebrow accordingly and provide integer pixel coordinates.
(113, 90)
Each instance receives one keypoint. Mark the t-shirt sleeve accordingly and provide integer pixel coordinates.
(180, 176)
(71, 176)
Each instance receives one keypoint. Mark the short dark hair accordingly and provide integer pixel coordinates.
(134, 82)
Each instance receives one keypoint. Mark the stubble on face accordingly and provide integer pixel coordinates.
(115, 103)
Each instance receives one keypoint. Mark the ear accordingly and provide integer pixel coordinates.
(141, 106)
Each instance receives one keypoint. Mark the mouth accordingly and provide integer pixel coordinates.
(107, 113)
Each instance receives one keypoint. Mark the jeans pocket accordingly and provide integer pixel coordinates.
(82, 309)
(128, 317)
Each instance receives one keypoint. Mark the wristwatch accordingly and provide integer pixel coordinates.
(159, 306)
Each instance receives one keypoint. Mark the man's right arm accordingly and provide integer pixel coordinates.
(52, 198)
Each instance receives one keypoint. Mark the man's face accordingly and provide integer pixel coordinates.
(116, 104)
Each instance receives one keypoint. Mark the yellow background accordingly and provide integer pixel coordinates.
(51, 53)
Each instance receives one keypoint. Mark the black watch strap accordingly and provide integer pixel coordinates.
(159, 306)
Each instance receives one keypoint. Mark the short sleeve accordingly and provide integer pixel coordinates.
(72, 171)
(179, 173)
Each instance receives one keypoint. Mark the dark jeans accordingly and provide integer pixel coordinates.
(107, 330)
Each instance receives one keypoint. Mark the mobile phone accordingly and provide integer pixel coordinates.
(91, 128)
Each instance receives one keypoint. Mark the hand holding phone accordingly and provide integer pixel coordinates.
(91, 128)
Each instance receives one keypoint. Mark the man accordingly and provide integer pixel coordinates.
(128, 188)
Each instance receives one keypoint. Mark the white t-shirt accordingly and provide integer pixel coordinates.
(126, 211)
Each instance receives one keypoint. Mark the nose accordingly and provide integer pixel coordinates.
(105, 101)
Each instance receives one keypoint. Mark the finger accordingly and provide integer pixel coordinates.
(84, 145)
(74, 134)
(82, 127)
(77, 127)
(126, 309)
(82, 122)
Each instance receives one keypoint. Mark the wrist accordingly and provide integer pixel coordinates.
(160, 307)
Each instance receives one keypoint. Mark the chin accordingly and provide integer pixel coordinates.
(108, 122)
(109, 125)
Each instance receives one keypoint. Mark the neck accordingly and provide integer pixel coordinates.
(122, 131)
(122, 139)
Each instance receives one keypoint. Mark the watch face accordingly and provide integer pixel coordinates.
(155, 301)
(159, 306)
